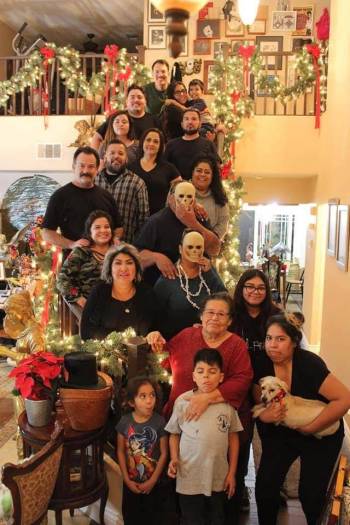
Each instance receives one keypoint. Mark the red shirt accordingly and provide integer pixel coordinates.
(238, 373)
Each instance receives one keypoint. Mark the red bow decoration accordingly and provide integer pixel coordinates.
(322, 26)
(226, 170)
(235, 96)
(315, 51)
(111, 53)
(47, 53)
(125, 76)
(246, 52)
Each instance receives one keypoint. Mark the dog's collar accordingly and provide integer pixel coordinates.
(281, 394)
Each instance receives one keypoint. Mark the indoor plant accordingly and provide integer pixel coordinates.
(36, 380)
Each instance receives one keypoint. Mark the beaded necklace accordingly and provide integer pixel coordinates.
(185, 288)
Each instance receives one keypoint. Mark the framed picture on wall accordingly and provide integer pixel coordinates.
(208, 28)
(305, 21)
(271, 44)
(154, 15)
(342, 255)
(299, 43)
(208, 71)
(220, 47)
(234, 27)
(202, 46)
(332, 226)
(156, 37)
(257, 28)
(284, 21)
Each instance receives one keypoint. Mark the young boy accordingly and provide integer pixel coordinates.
(199, 449)
(196, 92)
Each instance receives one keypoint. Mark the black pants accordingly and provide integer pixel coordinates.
(202, 510)
(155, 508)
(317, 460)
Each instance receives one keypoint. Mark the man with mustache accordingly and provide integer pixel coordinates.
(181, 151)
(70, 205)
(128, 190)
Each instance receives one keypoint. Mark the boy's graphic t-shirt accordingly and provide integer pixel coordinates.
(141, 445)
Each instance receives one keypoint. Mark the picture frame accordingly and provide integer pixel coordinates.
(235, 44)
(156, 37)
(261, 92)
(220, 46)
(258, 27)
(208, 28)
(234, 27)
(153, 15)
(299, 43)
(342, 253)
(332, 226)
(202, 46)
(208, 66)
(184, 41)
(304, 21)
(284, 21)
(271, 44)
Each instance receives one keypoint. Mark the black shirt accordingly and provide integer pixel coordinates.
(161, 233)
(157, 181)
(140, 125)
(103, 314)
(70, 206)
(182, 153)
(252, 329)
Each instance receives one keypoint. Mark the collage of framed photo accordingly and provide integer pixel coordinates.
(202, 46)
(207, 28)
(156, 37)
(271, 44)
(154, 16)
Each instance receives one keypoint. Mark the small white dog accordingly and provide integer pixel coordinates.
(300, 411)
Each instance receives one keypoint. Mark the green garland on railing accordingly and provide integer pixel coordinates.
(232, 101)
(70, 70)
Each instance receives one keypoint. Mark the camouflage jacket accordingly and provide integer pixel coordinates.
(79, 273)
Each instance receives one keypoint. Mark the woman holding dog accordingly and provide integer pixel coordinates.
(307, 376)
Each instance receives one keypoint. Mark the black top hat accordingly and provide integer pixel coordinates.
(81, 369)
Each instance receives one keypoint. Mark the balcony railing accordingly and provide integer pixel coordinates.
(64, 102)
(61, 101)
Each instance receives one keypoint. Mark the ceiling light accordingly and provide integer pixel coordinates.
(248, 10)
(176, 12)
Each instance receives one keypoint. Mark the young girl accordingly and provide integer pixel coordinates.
(142, 454)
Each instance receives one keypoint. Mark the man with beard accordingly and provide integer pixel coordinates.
(129, 190)
(70, 205)
(156, 92)
(183, 150)
(136, 107)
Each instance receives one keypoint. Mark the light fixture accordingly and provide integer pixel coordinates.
(247, 10)
(176, 12)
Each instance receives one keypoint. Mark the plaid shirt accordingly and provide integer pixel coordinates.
(130, 194)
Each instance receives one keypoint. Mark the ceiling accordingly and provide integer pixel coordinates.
(63, 21)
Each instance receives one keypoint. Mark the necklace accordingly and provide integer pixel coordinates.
(185, 288)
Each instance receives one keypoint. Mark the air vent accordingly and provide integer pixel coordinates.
(49, 151)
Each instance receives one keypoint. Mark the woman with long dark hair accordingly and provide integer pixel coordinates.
(120, 127)
(172, 110)
(157, 173)
(210, 193)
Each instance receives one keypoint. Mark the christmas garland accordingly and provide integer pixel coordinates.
(117, 71)
(229, 84)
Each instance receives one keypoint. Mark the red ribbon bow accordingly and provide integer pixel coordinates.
(111, 51)
(125, 76)
(225, 170)
(315, 51)
(246, 52)
(235, 96)
(47, 52)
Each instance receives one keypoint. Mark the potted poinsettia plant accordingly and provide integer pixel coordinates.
(36, 380)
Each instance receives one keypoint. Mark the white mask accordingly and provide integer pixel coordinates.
(193, 247)
(184, 194)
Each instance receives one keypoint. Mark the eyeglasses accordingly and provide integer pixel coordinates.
(211, 313)
(180, 92)
(251, 288)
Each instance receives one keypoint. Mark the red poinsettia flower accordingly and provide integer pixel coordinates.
(36, 376)
(73, 291)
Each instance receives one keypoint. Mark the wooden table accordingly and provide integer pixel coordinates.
(81, 478)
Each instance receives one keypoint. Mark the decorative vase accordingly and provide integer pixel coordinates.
(38, 411)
